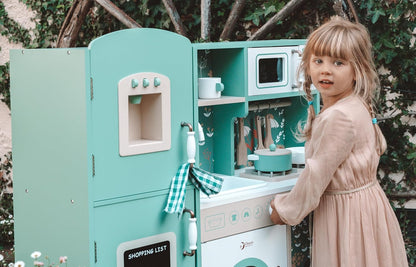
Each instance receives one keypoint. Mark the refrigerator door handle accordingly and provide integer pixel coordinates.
(190, 143)
(192, 234)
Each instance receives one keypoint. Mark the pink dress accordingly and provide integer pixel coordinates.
(354, 224)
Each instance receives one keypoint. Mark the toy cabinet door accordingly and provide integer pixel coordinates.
(137, 233)
(138, 61)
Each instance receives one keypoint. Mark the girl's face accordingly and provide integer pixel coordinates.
(334, 78)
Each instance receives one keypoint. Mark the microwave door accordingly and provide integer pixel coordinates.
(269, 70)
(279, 70)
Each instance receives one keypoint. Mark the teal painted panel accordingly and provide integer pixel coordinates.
(114, 57)
(227, 64)
(206, 149)
(139, 218)
(224, 117)
(296, 113)
(216, 154)
(274, 96)
(50, 155)
(246, 44)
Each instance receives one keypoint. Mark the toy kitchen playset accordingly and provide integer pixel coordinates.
(100, 132)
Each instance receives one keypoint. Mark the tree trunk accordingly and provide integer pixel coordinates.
(406, 195)
(118, 13)
(338, 8)
(353, 11)
(174, 17)
(232, 19)
(282, 14)
(73, 22)
(205, 19)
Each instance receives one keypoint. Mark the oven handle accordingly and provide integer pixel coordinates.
(192, 234)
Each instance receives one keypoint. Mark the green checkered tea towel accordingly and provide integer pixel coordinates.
(204, 181)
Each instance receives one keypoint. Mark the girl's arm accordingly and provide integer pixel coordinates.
(331, 143)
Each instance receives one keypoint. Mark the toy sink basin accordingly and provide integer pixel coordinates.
(233, 184)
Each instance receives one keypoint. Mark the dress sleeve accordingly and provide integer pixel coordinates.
(331, 144)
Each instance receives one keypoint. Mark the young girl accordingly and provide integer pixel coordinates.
(353, 223)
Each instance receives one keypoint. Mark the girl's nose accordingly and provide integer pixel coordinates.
(325, 69)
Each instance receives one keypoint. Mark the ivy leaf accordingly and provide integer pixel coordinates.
(256, 21)
(254, 18)
(269, 10)
(370, 5)
(388, 43)
(411, 155)
(376, 15)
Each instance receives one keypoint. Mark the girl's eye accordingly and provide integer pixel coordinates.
(318, 61)
(338, 63)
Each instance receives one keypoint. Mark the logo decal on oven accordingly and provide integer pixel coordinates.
(246, 244)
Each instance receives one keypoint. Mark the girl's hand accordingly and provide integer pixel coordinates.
(274, 216)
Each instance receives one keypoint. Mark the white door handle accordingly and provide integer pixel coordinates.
(192, 234)
(191, 147)
(190, 143)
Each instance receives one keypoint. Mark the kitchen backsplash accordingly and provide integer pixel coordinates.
(277, 132)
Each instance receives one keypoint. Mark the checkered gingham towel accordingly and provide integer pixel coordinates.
(206, 182)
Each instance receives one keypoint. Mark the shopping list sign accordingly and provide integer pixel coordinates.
(153, 255)
(159, 250)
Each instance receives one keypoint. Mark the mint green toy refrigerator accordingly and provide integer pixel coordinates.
(97, 138)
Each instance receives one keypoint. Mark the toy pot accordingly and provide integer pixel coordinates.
(267, 160)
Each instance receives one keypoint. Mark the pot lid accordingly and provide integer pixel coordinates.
(277, 152)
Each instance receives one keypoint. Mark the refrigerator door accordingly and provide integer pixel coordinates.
(148, 59)
(135, 232)
(141, 92)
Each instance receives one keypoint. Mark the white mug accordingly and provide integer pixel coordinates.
(210, 87)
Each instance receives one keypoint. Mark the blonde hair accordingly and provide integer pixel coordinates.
(345, 40)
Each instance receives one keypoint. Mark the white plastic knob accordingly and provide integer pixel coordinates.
(156, 81)
(192, 234)
(191, 147)
(146, 82)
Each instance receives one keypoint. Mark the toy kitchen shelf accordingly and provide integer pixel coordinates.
(230, 61)
(221, 101)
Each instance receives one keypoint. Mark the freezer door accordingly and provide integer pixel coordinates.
(141, 92)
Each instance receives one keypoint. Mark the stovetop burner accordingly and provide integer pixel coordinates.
(251, 173)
